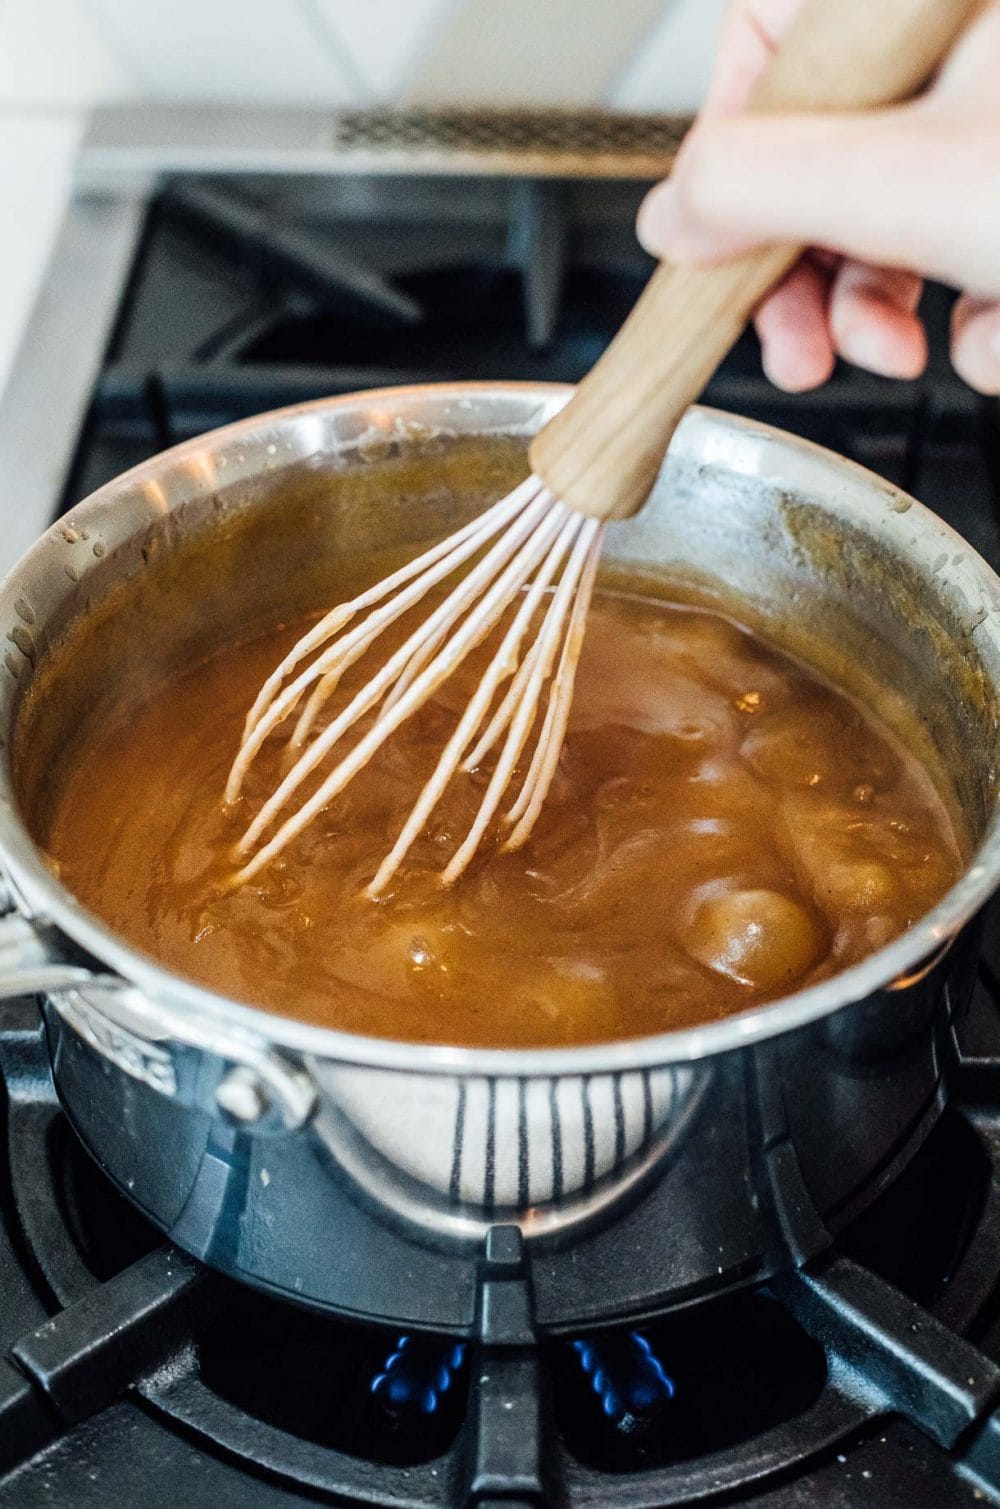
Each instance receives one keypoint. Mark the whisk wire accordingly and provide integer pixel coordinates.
(341, 655)
(505, 710)
(529, 546)
(483, 527)
(503, 664)
(531, 535)
(542, 769)
(527, 709)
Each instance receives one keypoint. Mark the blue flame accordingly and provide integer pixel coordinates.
(627, 1377)
(417, 1372)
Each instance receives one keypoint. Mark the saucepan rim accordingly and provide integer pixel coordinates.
(41, 897)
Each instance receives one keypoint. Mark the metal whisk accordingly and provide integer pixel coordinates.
(596, 460)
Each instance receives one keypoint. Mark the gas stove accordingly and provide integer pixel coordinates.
(131, 1374)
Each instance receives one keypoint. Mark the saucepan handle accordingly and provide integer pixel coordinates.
(179, 1056)
(32, 961)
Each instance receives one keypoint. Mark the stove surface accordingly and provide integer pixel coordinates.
(247, 296)
(131, 1375)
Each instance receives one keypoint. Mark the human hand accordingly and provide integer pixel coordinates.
(884, 199)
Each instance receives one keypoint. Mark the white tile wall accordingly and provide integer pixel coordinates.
(671, 68)
(59, 57)
(636, 54)
(253, 52)
(386, 40)
(52, 53)
(524, 53)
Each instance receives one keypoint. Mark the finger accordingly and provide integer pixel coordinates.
(874, 321)
(750, 36)
(858, 184)
(796, 345)
(975, 343)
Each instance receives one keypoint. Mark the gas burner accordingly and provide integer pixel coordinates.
(871, 1367)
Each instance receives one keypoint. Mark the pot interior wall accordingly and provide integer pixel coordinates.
(214, 562)
(231, 564)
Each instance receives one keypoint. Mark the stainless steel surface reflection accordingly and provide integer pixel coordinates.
(637, 1172)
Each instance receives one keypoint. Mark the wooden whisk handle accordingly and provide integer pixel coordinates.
(601, 453)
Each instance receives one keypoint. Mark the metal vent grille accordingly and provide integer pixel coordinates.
(558, 143)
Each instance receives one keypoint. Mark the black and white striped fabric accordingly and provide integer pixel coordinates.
(508, 1143)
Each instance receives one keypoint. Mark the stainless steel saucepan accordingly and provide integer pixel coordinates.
(257, 1141)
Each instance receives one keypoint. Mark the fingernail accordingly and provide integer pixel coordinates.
(862, 346)
(975, 350)
(657, 220)
(795, 371)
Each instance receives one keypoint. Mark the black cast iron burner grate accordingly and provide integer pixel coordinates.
(867, 1376)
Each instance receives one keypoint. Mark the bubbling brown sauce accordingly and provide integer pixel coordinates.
(724, 827)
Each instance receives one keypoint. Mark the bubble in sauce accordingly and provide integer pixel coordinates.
(759, 938)
(420, 953)
(815, 745)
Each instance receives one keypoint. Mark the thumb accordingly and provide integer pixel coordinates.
(910, 187)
